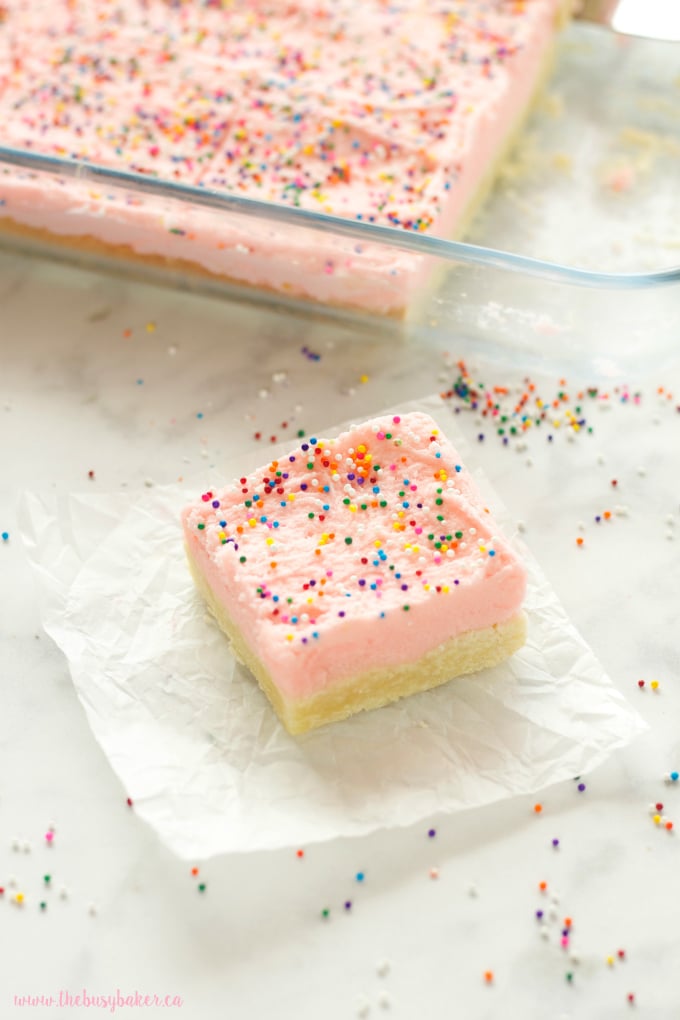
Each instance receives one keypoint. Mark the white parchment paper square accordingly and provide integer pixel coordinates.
(202, 754)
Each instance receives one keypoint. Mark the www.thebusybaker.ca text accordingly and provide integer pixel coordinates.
(110, 1001)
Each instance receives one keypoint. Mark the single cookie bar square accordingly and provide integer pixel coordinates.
(358, 570)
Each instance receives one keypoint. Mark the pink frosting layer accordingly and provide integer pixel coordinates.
(354, 553)
(388, 113)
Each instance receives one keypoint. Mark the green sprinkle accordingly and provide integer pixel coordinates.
(200, 527)
(47, 879)
(325, 912)
(43, 905)
(439, 502)
(310, 464)
(311, 516)
(406, 608)
(201, 886)
(348, 541)
(346, 502)
(242, 559)
(459, 534)
(300, 433)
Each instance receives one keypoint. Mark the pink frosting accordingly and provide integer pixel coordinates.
(383, 112)
(354, 553)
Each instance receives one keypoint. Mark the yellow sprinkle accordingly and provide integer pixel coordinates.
(19, 897)
(656, 819)
(654, 685)
(445, 587)
(363, 378)
(353, 508)
(150, 327)
(221, 534)
(289, 637)
(377, 543)
(610, 961)
(291, 497)
(426, 587)
(270, 541)
(361, 448)
(252, 522)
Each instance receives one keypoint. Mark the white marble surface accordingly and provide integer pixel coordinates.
(76, 395)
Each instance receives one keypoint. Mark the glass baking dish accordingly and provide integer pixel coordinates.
(573, 257)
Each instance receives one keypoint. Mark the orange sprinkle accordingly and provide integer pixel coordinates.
(543, 886)
(538, 808)
(579, 541)
(488, 976)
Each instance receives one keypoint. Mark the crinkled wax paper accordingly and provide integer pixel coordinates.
(202, 754)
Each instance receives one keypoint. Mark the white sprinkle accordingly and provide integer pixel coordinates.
(473, 891)
(383, 968)
(384, 1000)
(92, 909)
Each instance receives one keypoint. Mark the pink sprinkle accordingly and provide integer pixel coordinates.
(49, 836)
(564, 941)
(396, 419)
(380, 435)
